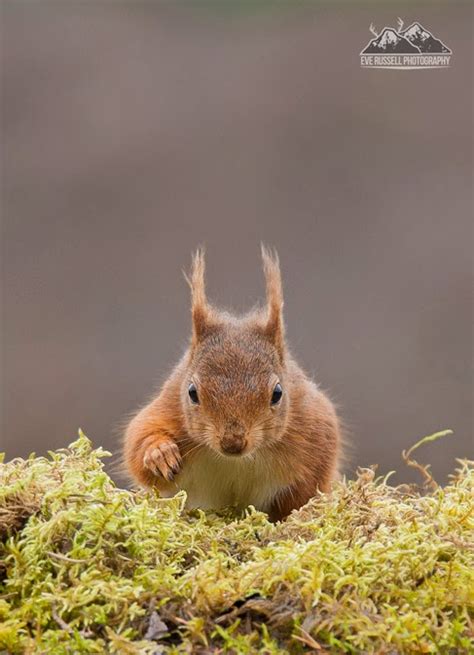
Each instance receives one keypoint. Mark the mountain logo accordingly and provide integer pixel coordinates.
(405, 49)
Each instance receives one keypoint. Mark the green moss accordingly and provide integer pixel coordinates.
(86, 567)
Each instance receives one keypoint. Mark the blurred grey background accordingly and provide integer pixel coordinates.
(133, 132)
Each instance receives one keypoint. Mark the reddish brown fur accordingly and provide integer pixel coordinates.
(286, 452)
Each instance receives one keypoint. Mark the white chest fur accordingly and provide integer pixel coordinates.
(213, 482)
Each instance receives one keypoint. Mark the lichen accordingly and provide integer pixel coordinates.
(86, 567)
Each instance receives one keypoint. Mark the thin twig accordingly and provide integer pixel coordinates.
(61, 622)
(429, 480)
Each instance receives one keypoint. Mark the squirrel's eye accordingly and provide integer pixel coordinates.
(277, 394)
(193, 394)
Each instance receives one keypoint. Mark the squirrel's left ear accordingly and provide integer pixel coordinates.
(202, 315)
(274, 327)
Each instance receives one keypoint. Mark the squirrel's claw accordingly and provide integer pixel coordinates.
(163, 460)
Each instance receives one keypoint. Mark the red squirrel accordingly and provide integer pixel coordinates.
(237, 422)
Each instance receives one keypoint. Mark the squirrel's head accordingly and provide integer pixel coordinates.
(234, 394)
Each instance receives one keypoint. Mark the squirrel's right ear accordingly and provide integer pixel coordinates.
(274, 327)
(201, 312)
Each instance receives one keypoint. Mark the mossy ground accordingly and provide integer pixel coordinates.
(86, 567)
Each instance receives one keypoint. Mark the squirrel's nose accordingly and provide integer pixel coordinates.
(233, 445)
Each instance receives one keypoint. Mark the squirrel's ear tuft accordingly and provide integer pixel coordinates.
(274, 327)
(201, 312)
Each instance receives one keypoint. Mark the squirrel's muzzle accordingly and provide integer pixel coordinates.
(233, 445)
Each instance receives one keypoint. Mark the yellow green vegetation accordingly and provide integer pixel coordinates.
(86, 567)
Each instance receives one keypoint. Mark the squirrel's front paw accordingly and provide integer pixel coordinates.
(163, 459)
